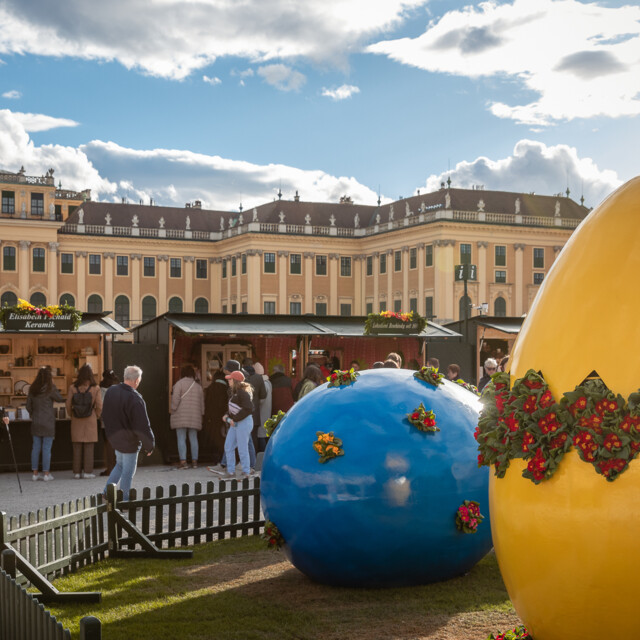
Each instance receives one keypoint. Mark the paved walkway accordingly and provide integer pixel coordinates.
(39, 495)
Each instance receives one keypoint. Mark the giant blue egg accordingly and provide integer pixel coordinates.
(384, 513)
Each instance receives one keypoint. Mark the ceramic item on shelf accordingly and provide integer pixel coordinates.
(4, 348)
(20, 362)
(42, 349)
(25, 389)
(19, 386)
(59, 349)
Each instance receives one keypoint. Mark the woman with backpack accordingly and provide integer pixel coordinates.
(42, 395)
(84, 405)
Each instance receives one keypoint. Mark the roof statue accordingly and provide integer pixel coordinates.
(188, 223)
(356, 221)
(221, 224)
(407, 211)
(391, 213)
(161, 223)
(240, 219)
(447, 201)
(281, 216)
(557, 213)
(377, 218)
(307, 219)
(517, 206)
(135, 220)
(80, 216)
(332, 220)
(107, 219)
(481, 205)
(255, 215)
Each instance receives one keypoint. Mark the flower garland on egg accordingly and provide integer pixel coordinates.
(271, 424)
(327, 446)
(341, 378)
(526, 421)
(430, 375)
(467, 386)
(423, 420)
(272, 535)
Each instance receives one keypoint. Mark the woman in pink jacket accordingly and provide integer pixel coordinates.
(187, 409)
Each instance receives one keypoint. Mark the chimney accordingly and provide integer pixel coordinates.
(187, 205)
(197, 204)
(296, 197)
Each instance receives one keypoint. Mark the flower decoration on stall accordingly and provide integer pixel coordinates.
(272, 535)
(341, 378)
(392, 321)
(467, 386)
(525, 421)
(468, 516)
(24, 308)
(423, 420)
(327, 446)
(517, 633)
(271, 424)
(430, 375)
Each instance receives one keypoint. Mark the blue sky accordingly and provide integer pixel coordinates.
(228, 101)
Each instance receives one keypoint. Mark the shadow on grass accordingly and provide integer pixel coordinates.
(235, 589)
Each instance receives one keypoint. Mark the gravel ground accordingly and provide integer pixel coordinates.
(64, 488)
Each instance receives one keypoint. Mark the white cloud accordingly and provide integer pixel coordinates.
(581, 59)
(39, 122)
(535, 167)
(282, 77)
(169, 176)
(340, 93)
(173, 38)
(12, 95)
(71, 165)
(213, 81)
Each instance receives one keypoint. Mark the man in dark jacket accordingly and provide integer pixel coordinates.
(281, 394)
(127, 427)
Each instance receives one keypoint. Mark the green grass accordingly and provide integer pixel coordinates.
(236, 589)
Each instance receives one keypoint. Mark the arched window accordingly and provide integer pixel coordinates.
(175, 305)
(94, 304)
(67, 298)
(122, 310)
(38, 299)
(201, 305)
(149, 308)
(465, 307)
(500, 307)
(8, 299)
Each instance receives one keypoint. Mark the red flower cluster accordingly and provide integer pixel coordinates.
(272, 535)
(607, 467)
(430, 375)
(579, 405)
(549, 423)
(422, 419)
(537, 466)
(527, 441)
(584, 441)
(630, 422)
(468, 516)
(530, 404)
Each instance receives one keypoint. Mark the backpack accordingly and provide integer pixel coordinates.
(82, 403)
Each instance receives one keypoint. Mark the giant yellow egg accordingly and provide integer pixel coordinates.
(569, 547)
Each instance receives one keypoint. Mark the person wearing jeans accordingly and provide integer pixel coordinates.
(42, 395)
(126, 425)
(187, 409)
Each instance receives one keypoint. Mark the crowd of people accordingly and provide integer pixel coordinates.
(226, 419)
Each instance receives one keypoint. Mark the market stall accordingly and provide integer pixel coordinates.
(23, 350)
(207, 341)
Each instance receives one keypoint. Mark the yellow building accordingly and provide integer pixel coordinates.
(283, 257)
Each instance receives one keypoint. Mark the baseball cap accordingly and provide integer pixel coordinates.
(232, 365)
(235, 375)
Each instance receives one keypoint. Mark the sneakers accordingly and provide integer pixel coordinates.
(183, 465)
(88, 475)
(35, 477)
(194, 464)
(47, 477)
(247, 476)
(219, 470)
(77, 476)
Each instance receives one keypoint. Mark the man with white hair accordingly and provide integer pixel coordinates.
(127, 427)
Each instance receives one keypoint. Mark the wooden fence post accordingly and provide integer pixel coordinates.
(112, 527)
(90, 628)
(8, 562)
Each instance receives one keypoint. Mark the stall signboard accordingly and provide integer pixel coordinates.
(40, 323)
(398, 327)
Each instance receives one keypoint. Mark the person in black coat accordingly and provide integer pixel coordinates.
(216, 400)
(259, 393)
(127, 427)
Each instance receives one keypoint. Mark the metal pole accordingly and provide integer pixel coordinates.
(466, 311)
(13, 453)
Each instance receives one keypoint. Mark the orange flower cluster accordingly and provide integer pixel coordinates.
(327, 446)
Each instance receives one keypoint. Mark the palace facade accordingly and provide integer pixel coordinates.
(282, 257)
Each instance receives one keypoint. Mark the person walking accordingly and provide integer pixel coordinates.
(109, 378)
(42, 395)
(187, 409)
(240, 420)
(84, 405)
(127, 427)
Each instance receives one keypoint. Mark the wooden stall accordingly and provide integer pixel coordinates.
(23, 352)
